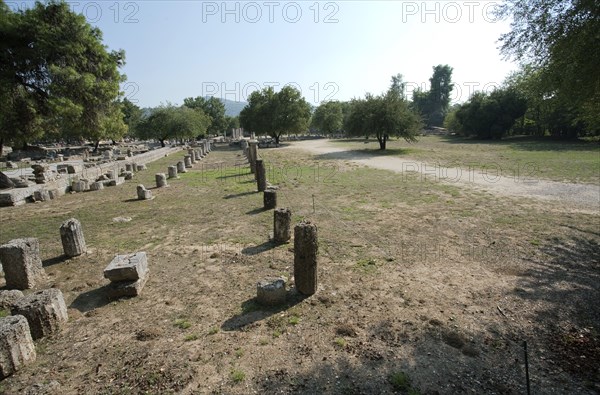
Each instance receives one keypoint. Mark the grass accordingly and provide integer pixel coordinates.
(237, 376)
(516, 157)
(401, 382)
(340, 342)
(4, 313)
(182, 323)
(191, 337)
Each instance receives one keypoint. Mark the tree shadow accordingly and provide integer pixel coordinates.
(266, 246)
(528, 143)
(91, 300)
(253, 312)
(236, 195)
(55, 261)
(362, 154)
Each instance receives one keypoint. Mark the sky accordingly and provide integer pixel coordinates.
(329, 50)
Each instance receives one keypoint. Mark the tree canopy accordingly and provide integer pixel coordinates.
(274, 114)
(214, 108)
(168, 122)
(57, 79)
(328, 117)
(433, 104)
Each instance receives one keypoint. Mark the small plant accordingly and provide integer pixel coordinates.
(237, 376)
(4, 313)
(239, 353)
(400, 381)
(213, 331)
(191, 337)
(340, 342)
(276, 333)
(367, 265)
(182, 323)
(263, 342)
(294, 320)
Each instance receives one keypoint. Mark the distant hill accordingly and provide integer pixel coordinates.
(232, 108)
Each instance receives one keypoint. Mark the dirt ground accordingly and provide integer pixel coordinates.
(424, 287)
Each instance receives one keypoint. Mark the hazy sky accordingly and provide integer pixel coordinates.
(329, 50)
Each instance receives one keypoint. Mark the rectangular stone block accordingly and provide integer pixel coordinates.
(16, 345)
(21, 263)
(127, 267)
(46, 311)
(120, 289)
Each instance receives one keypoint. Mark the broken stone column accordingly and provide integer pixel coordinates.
(252, 155)
(45, 311)
(141, 167)
(192, 155)
(128, 175)
(173, 172)
(41, 196)
(161, 180)
(143, 193)
(129, 167)
(21, 263)
(271, 291)
(188, 161)
(80, 185)
(128, 274)
(305, 257)
(72, 238)
(282, 220)
(269, 199)
(261, 175)
(181, 167)
(16, 345)
(111, 174)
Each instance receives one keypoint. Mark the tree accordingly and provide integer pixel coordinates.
(560, 39)
(273, 113)
(57, 78)
(433, 104)
(384, 115)
(232, 123)
(132, 116)
(214, 108)
(170, 123)
(490, 115)
(328, 117)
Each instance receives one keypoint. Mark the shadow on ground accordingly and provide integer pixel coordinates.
(91, 300)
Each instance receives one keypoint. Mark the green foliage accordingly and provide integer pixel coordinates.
(384, 115)
(274, 114)
(559, 39)
(182, 323)
(488, 116)
(56, 77)
(132, 116)
(328, 117)
(232, 123)
(433, 104)
(214, 108)
(237, 376)
(170, 122)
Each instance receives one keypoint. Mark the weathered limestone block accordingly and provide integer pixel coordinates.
(143, 193)
(22, 264)
(127, 267)
(74, 169)
(192, 155)
(72, 238)
(271, 291)
(305, 257)
(161, 180)
(130, 167)
(115, 182)
(80, 185)
(141, 167)
(97, 186)
(111, 174)
(9, 297)
(172, 172)
(41, 195)
(16, 345)
(126, 288)
(181, 167)
(253, 155)
(282, 219)
(269, 199)
(56, 193)
(5, 181)
(188, 161)
(128, 175)
(261, 176)
(45, 311)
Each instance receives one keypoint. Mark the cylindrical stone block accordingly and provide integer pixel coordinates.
(111, 174)
(282, 220)
(269, 199)
(21, 263)
(161, 180)
(16, 345)
(261, 175)
(181, 167)
(143, 193)
(271, 291)
(141, 167)
(96, 186)
(72, 238)
(188, 161)
(172, 171)
(129, 167)
(45, 311)
(192, 155)
(253, 155)
(305, 257)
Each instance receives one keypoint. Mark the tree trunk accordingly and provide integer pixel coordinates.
(162, 143)
(1, 145)
(382, 141)
(96, 146)
(277, 139)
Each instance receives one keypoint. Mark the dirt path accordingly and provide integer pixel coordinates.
(584, 196)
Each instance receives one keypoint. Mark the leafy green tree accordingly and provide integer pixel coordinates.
(171, 123)
(560, 39)
(274, 114)
(384, 116)
(57, 78)
(433, 104)
(232, 123)
(214, 108)
(132, 116)
(328, 117)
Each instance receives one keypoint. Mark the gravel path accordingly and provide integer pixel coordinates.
(585, 196)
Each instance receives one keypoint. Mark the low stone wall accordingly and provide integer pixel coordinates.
(17, 196)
